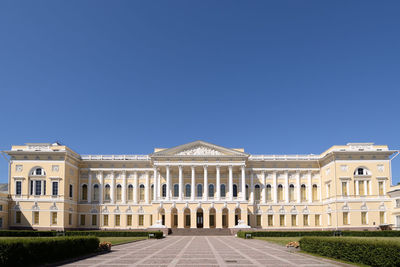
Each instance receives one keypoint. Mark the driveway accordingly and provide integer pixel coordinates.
(203, 251)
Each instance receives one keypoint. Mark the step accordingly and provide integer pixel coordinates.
(199, 232)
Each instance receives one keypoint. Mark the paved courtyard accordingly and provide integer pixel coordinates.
(202, 251)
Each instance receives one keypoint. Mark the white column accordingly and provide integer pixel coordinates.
(180, 183)
(263, 186)
(309, 187)
(205, 189)
(320, 188)
(298, 187)
(124, 187)
(275, 187)
(101, 180)
(251, 198)
(147, 188)
(365, 188)
(287, 187)
(89, 192)
(158, 179)
(112, 187)
(218, 186)
(357, 188)
(155, 187)
(135, 188)
(193, 186)
(243, 183)
(168, 182)
(230, 183)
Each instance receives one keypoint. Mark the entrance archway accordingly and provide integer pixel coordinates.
(225, 218)
(199, 218)
(186, 213)
(237, 216)
(212, 217)
(174, 218)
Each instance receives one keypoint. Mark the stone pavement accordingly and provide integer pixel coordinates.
(202, 251)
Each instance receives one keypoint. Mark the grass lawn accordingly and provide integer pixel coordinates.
(117, 240)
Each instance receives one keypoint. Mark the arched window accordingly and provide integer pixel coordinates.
(176, 190)
(280, 192)
(38, 171)
(130, 192)
(107, 192)
(223, 190)
(188, 192)
(269, 192)
(303, 193)
(199, 190)
(210, 190)
(141, 192)
(119, 192)
(314, 192)
(164, 190)
(84, 192)
(291, 192)
(96, 192)
(152, 192)
(362, 171)
(247, 192)
(257, 194)
(235, 193)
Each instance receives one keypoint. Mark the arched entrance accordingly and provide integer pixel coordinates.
(161, 216)
(199, 218)
(186, 213)
(212, 217)
(225, 218)
(237, 216)
(174, 218)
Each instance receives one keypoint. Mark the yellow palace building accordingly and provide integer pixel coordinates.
(200, 185)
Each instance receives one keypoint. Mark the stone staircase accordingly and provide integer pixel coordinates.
(199, 232)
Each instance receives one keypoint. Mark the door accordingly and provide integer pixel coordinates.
(199, 220)
(163, 219)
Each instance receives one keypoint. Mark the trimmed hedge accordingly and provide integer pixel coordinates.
(38, 251)
(28, 233)
(370, 252)
(99, 233)
(242, 234)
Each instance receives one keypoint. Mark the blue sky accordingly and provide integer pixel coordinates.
(274, 77)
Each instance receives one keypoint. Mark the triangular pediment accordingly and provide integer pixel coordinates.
(200, 149)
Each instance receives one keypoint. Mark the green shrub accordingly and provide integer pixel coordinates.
(27, 233)
(242, 234)
(373, 252)
(38, 251)
(101, 233)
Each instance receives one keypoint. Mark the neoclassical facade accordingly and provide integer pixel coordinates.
(201, 185)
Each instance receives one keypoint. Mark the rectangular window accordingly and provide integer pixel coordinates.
(94, 219)
(117, 220)
(18, 188)
(345, 218)
(381, 217)
(344, 189)
(54, 218)
(270, 220)
(38, 188)
(31, 189)
(282, 220)
(361, 188)
(380, 187)
(83, 219)
(141, 219)
(294, 220)
(317, 220)
(305, 219)
(129, 220)
(70, 219)
(363, 217)
(70, 190)
(258, 220)
(18, 217)
(55, 189)
(105, 220)
(35, 217)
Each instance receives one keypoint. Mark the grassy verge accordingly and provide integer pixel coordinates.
(121, 239)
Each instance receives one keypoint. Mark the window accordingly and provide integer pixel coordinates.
(31, 188)
(280, 193)
(294, 220)
(141, 220)
(70, 219)
(71, 190)
(381, 217)
(105, 220)
(152, 192)
(397, 203)
(235, 190)
(329, 219)
(211, 190)
(107, 193)
(258, 220)
(345, 218)
(84, 192)
(363, 217)
(199, 190)
(96, 192)
(18, 217)
(38, 188)
(187, 190)
(83, 219)
(344, 189)
(39, 171)
(257, 193)
(247, 192)
(361, 171)
(129, 220)
(44, 187)
(1, 207)
(1, 222)
(117, 220)
(303, 193)
(380, 188)
(270, 220)
(55, 188)
(317, 220)
(119, 192)
(94, 219)
(361, 188)
(35, 217)
(151, 219)
(223, 190)
(164, 190)
(54, 218)
(176, 190)
(314, 192)
(305, 219)
(282, 220)
(18, 186)
(130, 192)
(141, 192)
(269, 193)
(291, 193)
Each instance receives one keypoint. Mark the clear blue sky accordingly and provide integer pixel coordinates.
(274, 77)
